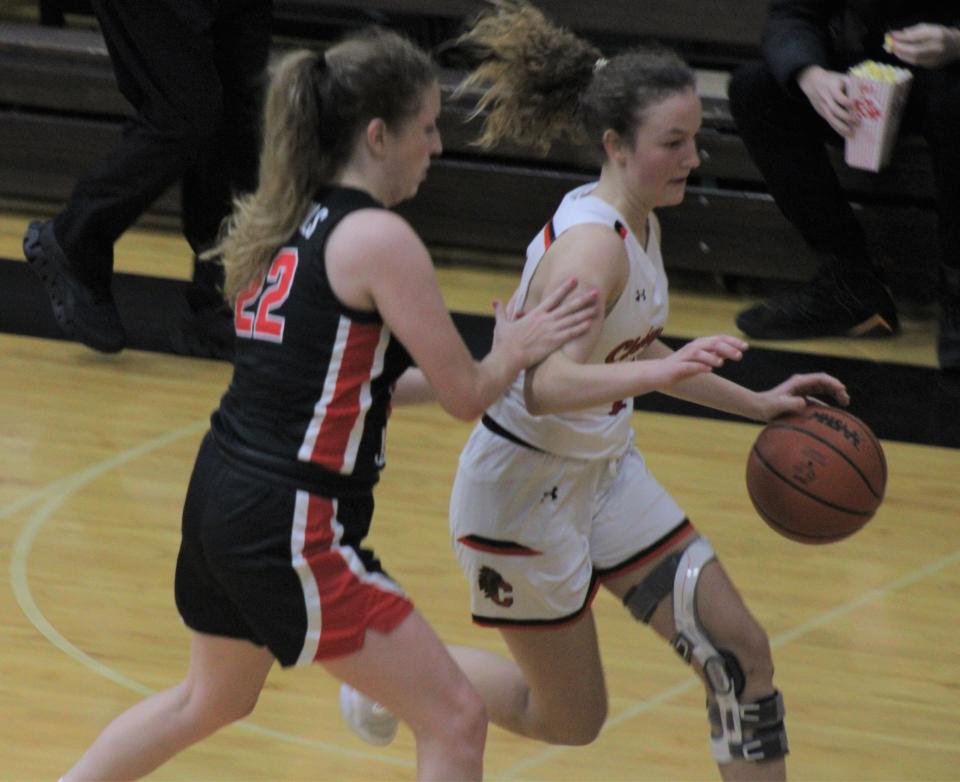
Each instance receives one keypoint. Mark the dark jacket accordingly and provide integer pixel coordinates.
(836, 34)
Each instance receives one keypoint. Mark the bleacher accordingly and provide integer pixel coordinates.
(60, 110)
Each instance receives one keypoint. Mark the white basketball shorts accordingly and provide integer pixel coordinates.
(535, 533)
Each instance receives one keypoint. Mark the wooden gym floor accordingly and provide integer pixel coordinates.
(95, 456)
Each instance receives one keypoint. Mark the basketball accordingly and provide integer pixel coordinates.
(816, 476)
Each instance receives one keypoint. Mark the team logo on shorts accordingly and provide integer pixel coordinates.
(494, 587)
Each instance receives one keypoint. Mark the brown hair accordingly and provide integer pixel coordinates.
(316, 105)
(542, 83)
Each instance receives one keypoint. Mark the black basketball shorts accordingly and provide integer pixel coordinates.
(279, 566)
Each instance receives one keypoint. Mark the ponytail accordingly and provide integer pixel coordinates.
(315, 106)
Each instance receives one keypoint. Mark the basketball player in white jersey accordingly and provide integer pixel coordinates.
(552, 499)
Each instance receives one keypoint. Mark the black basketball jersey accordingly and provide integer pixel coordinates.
(312, 378)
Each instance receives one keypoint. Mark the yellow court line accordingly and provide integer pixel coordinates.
(52, 497)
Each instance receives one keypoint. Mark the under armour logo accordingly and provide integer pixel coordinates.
(493, 586)
(550, 495)
(640, 294)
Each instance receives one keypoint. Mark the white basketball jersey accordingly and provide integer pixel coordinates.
(636, 320)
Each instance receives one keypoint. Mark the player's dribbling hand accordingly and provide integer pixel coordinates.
(791, 396)
(562, 316)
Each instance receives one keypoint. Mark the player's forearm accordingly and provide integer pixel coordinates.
(561, 385)
(718, 393)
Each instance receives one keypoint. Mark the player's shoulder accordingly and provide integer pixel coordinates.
(378, 239)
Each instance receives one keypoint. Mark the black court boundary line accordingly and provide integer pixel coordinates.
(897, 401)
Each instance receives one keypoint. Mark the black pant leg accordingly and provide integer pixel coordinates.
(934, 110)
(786, 138)
(161, 51)
(227, 164)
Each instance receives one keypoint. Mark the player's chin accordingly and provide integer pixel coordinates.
(674, 192)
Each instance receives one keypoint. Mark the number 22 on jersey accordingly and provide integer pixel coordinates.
(255, 311)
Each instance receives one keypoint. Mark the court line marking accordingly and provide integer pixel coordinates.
(52, 497)
(782, 639)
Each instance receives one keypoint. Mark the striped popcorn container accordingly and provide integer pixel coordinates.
(880, 93)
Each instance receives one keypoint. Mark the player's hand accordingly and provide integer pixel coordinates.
(926, 45)
(828, 93)
(562, 316)
(792, 395)
(698, 357)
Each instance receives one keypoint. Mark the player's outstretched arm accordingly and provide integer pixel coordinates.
(375, 261)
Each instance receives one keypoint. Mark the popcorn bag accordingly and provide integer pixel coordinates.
(880, 93)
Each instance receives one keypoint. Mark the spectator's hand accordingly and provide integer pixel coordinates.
(926, 45)
(827, 93)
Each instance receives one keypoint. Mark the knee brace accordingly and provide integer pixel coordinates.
(745, 731)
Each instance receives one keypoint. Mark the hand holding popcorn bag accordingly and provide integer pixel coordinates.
(880, 93)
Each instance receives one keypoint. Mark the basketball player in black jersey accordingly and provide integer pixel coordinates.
(334, 297)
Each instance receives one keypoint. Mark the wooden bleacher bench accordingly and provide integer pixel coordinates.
(60, 111)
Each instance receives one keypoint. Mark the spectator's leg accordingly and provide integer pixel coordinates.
(228, 162)
(163, 64)
(786, 139)
(226, 166)
(938, 93)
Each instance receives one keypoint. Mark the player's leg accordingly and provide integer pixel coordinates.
(222, 685)
(521, 521)
(735, 650)
(649, 556)
(411, 673)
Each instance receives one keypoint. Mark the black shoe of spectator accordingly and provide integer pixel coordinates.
(207, 332)
(948, 338)
(830, 305)
(80, 312)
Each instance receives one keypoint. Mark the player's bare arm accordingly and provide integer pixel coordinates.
(380, 263)
(564, 381)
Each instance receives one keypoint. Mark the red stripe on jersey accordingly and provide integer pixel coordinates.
(348, 604)
(341, 414)
(549, 235)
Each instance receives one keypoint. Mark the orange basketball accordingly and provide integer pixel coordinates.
(816, 476)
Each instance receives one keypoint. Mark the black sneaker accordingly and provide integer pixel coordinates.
(80, 312)
(948, 337)
(827, 306)
(207, 332)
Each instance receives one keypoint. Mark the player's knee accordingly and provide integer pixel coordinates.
(753, 653)
(213, 709)
(583, 731)
(463, 726)
(579, 726)
(745, 712)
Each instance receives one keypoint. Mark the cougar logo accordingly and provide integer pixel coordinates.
(838, 426)
(494, 587)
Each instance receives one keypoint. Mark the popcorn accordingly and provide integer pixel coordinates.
(879, 71)
(888, 43)
(879, 92)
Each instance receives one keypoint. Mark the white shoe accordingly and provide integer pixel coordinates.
(367, 718)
